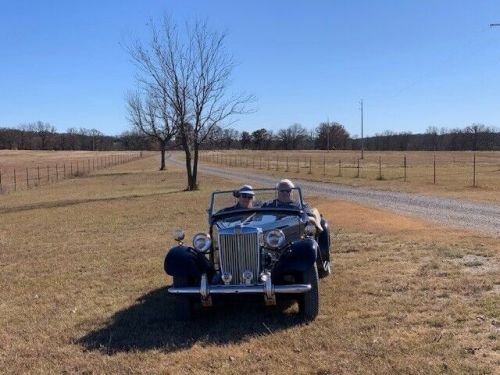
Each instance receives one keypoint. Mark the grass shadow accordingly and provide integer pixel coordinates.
(73, 202)
(150, 324)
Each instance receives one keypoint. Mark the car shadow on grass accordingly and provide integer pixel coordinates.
(150, 324)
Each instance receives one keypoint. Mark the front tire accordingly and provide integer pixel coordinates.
(183, 308)
(324, 268)
(309, 302)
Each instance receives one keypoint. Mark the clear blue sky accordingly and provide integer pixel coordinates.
(415, 63)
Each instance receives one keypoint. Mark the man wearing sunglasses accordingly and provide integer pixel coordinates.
(285, 200)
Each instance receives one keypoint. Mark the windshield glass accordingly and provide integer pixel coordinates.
(228, 201)
(261, 219)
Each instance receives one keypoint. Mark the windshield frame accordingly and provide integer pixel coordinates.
(214, 216)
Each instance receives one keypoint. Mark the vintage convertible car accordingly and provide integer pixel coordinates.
(268, 250)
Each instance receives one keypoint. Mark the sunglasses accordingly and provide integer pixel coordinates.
(285, 190)
(248, 196)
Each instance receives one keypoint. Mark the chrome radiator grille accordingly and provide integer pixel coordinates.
(239, 253)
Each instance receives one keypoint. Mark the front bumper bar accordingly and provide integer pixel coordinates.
(267, 289)
(243, 289)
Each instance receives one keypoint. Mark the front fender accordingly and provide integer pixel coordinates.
(184, 261)
(297, 259)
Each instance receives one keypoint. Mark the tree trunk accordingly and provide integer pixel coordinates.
(190, 182)
(162, 150)
(195, 169)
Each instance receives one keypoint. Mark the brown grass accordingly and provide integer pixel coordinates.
(21, 170)
(454, 170)
(83, 289)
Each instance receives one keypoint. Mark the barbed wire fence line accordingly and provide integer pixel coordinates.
(21, 178)
(465, 169)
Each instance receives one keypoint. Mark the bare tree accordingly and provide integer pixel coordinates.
(331, 135)
(45, 132)
(151, 117)
(158, 107)
(475, 131)
(188, 75)
(210, 69)
(293, 137)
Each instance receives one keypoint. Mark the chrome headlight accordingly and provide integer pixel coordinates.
(179, 234)
(275, 238)
(310, 230)
(201, 242)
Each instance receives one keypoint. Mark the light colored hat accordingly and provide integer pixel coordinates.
(246, 189)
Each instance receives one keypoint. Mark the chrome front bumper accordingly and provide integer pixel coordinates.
(243, 289)
(268, 290)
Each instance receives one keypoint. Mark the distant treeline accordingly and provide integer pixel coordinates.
(43, 136)
(328, 135)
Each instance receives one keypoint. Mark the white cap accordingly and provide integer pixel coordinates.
(246, 189)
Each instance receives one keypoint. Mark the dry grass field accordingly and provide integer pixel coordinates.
(453, 175)
(83, 289)
(20, 170)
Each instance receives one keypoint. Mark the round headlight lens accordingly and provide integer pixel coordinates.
(310, 230)
(275, 238)
(201, 241)
(179, 234)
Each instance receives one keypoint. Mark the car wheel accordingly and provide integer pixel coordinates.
(324, 268)
(183, 308)
(309, 302)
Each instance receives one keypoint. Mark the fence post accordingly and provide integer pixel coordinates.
(286, 170)
(298, 165)
(404, 165)
(474, 171)
(434, 167)
(277, 162)
(0, 180)
(88, 165)
(268, 164)
(27, 179)
(357, 174)
(15, 180)
(340, 167)
(380, 167)
(64, 170)
(310, 166)
(324, 165)
(38, 168)
(48, 174)
(57, 172)
(71, 170)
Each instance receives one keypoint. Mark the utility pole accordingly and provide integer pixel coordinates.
(362, 139)
(328, 134)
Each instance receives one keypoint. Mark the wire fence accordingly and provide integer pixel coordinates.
(16, 178)
(454, 169)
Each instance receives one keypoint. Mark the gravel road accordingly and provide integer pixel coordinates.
(480, 217)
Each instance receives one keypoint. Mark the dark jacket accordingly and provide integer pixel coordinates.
(278, 204)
